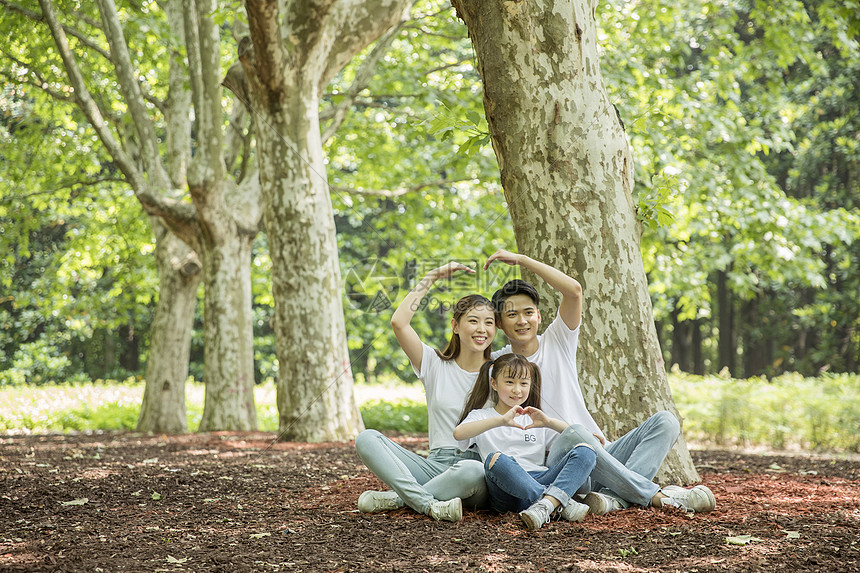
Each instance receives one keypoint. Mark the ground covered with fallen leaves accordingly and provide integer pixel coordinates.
(243, 502)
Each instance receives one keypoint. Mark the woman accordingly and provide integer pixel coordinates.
(439, 484)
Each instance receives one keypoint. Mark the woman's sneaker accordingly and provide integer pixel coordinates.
(537, 514)
(601, 504)
(376, 501)
(698, 499)
(451, 510)
(574, 511)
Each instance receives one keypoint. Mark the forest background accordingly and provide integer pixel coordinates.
(744, 121)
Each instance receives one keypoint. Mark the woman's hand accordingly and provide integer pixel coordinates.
(445, 271)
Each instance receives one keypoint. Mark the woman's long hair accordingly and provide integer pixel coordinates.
(517, 366)
(461, 307)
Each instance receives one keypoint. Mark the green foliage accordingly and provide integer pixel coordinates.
(789, 411)
(408, 416)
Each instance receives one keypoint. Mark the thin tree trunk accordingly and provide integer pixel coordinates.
(229, 339)
(726, 348)
(163, 407)
(568, 175)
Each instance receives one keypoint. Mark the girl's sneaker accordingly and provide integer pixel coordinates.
(601, 504)
(574, 511)
(539, 513)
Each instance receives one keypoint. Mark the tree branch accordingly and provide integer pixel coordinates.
(36, 17)
(357, 24)
(389, 194)
(362, 79)
(85, 101)
(266, 60)
(133, 95)
(60, 96)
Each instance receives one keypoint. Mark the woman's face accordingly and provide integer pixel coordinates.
(476, 329)
(513, 391)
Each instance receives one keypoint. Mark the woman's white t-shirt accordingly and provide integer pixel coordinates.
(528, 447)
(446, 387)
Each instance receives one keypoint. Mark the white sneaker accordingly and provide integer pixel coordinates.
(698, 499)
(601, 504)
(574, 511)
(537, 514)
(451, 510)
(376, 501)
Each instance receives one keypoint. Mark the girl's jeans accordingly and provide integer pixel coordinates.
(445, 474)
(514, 489)
(625, 467)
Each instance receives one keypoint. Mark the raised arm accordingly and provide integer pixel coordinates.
(402, 317)
(570, 308)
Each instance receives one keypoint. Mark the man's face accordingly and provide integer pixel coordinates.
(520, 319)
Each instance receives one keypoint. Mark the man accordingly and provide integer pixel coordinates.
(625, 468)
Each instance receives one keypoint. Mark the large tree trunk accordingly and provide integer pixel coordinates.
(567, 173)
(293, 51)
(315, 392)
(163, 407)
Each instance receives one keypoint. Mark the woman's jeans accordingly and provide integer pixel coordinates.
(445, 474)
(625, 468)
(514, 489)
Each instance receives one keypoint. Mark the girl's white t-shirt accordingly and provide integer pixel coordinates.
(528, 447)
(561, 396)
(446, 387)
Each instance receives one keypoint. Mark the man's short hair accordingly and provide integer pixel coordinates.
(511, 288)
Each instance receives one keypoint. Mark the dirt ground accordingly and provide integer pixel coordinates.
(241, 502)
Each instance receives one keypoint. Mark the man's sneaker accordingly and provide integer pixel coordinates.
(601, 504)
(698, 499)
(451, 510)
(539, 513)
(574, 511)
(376, 501)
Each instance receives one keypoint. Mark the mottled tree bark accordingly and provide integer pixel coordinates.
(179, 274)
(293, 51)
(568, 175)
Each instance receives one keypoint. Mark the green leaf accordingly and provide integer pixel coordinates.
(156, 496)
(79, 501)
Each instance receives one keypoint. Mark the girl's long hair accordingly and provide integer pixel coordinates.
(461, 307)
(518, 366)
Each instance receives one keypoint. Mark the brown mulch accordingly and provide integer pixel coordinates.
(240, 502)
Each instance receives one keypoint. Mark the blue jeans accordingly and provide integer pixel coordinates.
(625, 468)
(514, 489)
(445, 474)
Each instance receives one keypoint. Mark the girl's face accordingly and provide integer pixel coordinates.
(476, 329)
(512, 391)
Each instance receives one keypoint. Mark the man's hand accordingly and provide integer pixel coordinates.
(507, 257)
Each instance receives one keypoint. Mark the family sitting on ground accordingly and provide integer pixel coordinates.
(509, 429)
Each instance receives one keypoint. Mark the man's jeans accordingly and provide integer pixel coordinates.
(514, 489)
(445, 474)
(625, 468)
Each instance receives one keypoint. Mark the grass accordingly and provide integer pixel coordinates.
(787, 412)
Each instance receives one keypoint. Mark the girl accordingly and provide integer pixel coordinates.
(512, 438)
(436, 485)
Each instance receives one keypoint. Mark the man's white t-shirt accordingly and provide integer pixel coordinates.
(528, 447)
(561, 396)
(446, 387)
